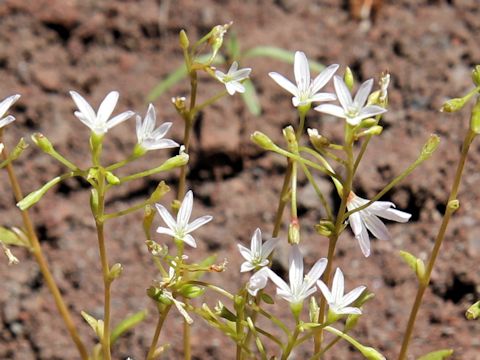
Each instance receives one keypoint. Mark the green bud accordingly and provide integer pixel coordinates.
(294, 232)
(318, 141)
(348, 78)
(224, 312)
(325, 228)
(368, 123)
(476, 75)
(313, 310)
(93, 175)
(263, 141)
(148, 216)
(475, 118)
(430, 146)
(191, 291)
(209, 313)
(15, 237)
(115, 271)
(158, 295)
(94, 201)
(373, 131)
(42, 142)
(473, 312)
(159, 192)
(32, 198)
(455, 104)
(111, 179)
(290, 138)
(417, 265)
(183, 39)
(371, 353)
(437, 355)
(175, 162)
(96, 325)
(374, 98)
(453, 205)
(18, 149)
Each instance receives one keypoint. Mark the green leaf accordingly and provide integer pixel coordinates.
(16, 238)
(251, 98)
(176, 76)
(279, 54)
(127, 324)
(233, 47)
(437, 355)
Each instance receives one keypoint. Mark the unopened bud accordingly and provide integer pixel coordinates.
(115, 271)
(148, 216)
(348, 78)
(183, 39)
(224, 312)
(325, 228)
(290, 138)
(156, 249)
(32, 198)
(430, 146)
(374, 98)
(111, 179)
(475, 118)
(313, 310)
(174, 162)
(42, 142)
(159, 192)
(473, 311)
(191, 291)
(455, 104)
(368, 123)
(454, 205)
(372, 131)
(263, 140)
(371, 353)
(476, 75)
(294, 232)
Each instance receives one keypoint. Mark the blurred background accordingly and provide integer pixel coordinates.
(48, 47)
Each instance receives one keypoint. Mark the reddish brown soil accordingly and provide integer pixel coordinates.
(48, 47)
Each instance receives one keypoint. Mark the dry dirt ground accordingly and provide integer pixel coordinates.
(48, 47)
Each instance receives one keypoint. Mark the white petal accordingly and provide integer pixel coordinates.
(107, 106)
(242, 74)
(364, 241)
(296, 101)
(233, 67)
(86, 121)
(234, 86)
(302, 71)
(342, 91)
(6, 120)
(161, 131)
(188, 239)
(167, 218)
(356, 223)
(331, 109)
(277, 280)
(139, 129)
(149, 122)
(195, 224)
(185, 211)
(349, 310)
(354, 121)
(119, 119)
(295, 273)
(257, 282)
(166, 231)
(325, 291)
(247, 255)
(284, 83)
(323, 97)
(338, 286)
(352, 296)
(376, 227)
(246, 266)
(6, 103)
(159, 144)
(362, 93)
(83, 106)
(393, 214)
(371, 111)
(268, 247)
(220, 75)
(1, 147)
(321, 80)
(315, 272)
(256, 243)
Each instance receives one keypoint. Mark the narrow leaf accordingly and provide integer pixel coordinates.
(437, 355)
(251, 98)
(127, 324)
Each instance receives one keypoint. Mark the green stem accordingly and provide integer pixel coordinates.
(126, 211)
(121, 163)
(423, 285)
(291, 342)
(319, 193)
(209, 102)
(158, 329)
(361, 153)
(42, 262)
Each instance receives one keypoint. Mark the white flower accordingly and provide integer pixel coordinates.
(367, 218)
(337, 301)
(354, 110)
(257, 281)
(99, 123)
(306, 91)
(300, 287)
(4, 106)
(232, 79)
(150, 139)
(181, 229)
(258, 254)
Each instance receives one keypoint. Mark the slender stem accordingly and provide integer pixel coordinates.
(126, 211)
(319, 193)
(158, 329)
(361, 153)
(283, 199)
(291, 343)
(209, 101)
(423, 285)
(42, 263)
(121, 163)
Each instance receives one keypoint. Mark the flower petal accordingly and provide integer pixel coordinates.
(256, 243)
(370, 111)
(349, 310)
(195, 224)
(119, 119)
(331, 109)
(295, 263)
(325, 291)
(161, 131)
(166, 231)
(257, 281)
(362, 93)
(376, 227)
(107, 106)
(149, 121)
(246, 266)
(167, 218)
(242, 74)
(323, 97)
(352, 296)
(6, 103)
(284, 83)
(185, 211)
(364, 241)
(323, 78)
(301, 71)
(268, 247)
(277, 280)
(343, 94)
(6, 120)
(246, 253)
(83, 106)
(188, 239)
(86, 121)
(338, 286)
(234, 86)
(315, 272)
(160, 144)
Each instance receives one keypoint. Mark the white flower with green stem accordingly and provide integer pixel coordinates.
(99, 122)
(336, 299)
(352, 110)
(233, 78)
(180, 229)
(368, 219)
(306, 90)
(257, 255)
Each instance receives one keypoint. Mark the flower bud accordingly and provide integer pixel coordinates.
(313, 310)
(475, 118)
(263, 140)
(368, 123)
(430, 146)
(455, 104)
(348, 78)
(453, 205)
(291, 138)
(224, 312)
(183, 39)
(473, 311)
(318, 141)
(371, 353)
(115, 271)
(32, 198)
(294, 232)
(191, 291)
(156, 249)
(159, 192)
(374, 98)
(94, 201)
(42, 142)
(476, 75)
(325, 228)
(111, 179)
(174, 162)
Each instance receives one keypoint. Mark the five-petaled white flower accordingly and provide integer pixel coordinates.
(232, 79)
(257, 281)
(257, 255)
(99, 123)
(300, 287)
(367, 218)
(337, 301)
(354, 110)
(306, 91)
(150, 139)
(181, 229)
(4, 106)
